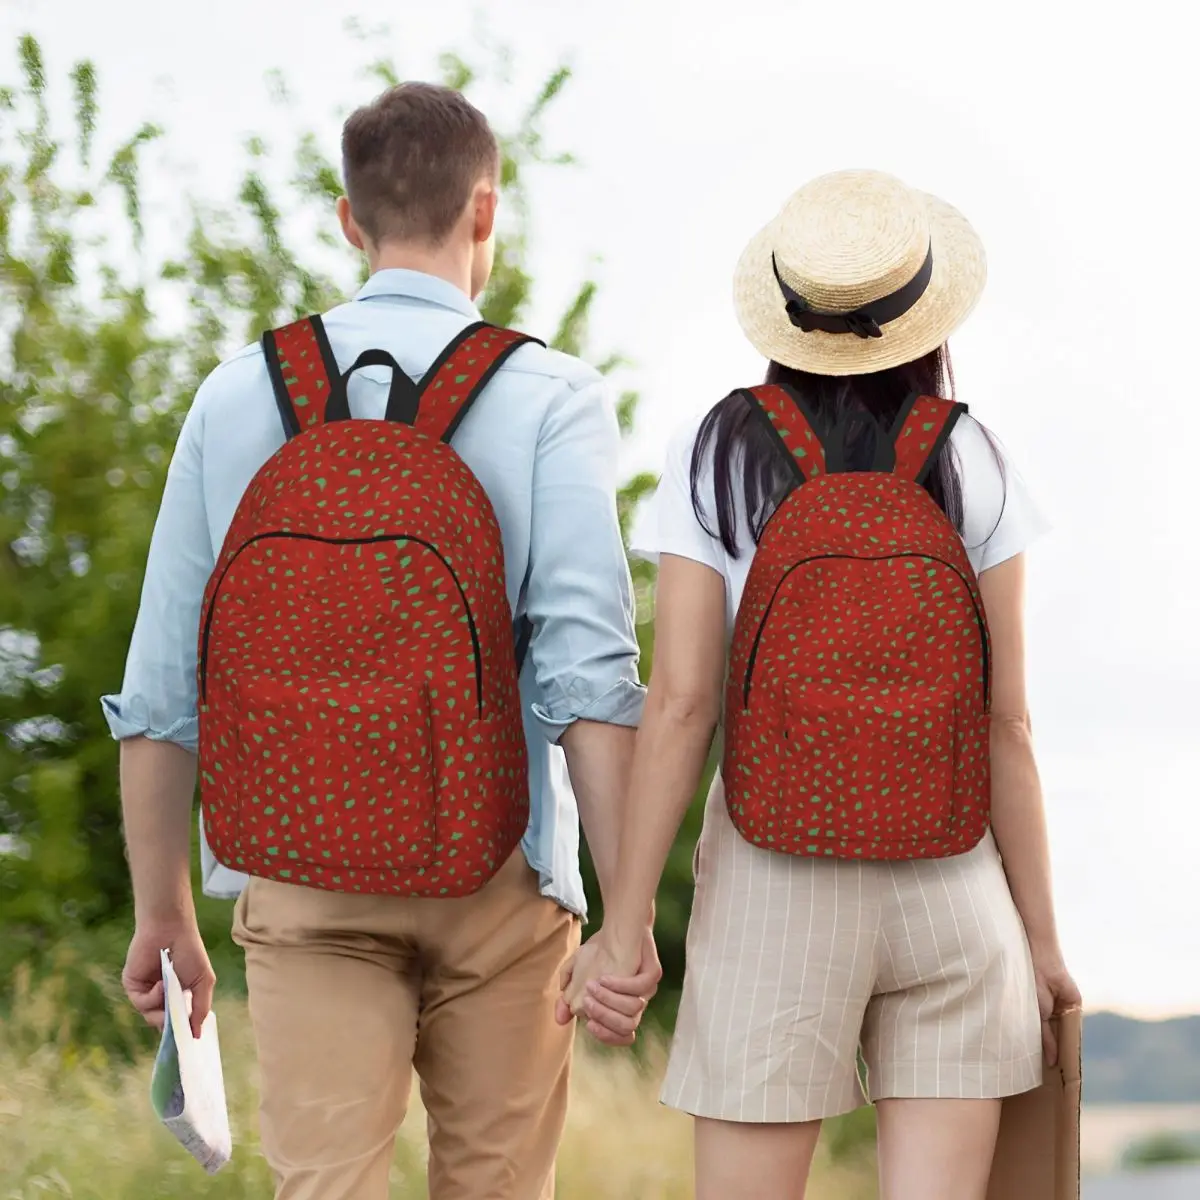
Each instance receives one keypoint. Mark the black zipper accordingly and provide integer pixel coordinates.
(979, 618)
(332, 541)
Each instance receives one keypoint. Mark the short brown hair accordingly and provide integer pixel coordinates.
(410, 159)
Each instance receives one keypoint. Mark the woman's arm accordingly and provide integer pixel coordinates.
(683, 706)
(1018, 815)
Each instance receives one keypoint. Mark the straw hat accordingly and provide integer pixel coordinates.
(858, 273)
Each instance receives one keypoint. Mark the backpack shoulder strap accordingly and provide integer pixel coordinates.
(464, 369)
(787, 417)
(922, 427)
(303, 372)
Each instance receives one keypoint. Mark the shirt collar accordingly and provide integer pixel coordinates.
(416, 285)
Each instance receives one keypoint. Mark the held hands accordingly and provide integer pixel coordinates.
(142, 977)
(609, 989)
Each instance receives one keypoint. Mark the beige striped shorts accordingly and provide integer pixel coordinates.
(795, 966)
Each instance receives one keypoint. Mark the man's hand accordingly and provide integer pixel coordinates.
(610, 991)
(157, 782)
(142, 977)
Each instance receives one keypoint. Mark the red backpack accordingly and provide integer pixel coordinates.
(360, 719)
(857, 704)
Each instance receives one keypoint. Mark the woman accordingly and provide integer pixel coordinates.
(868, 900)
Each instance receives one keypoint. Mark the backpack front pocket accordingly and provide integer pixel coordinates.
(333, 774)
(869, 774)
(481, 775)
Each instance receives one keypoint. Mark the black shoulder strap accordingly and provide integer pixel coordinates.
(462, 371)
(793, 427)
(303, 371)
(922, 427)
(310, 390)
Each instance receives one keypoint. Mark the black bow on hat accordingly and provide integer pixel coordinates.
(864, 322)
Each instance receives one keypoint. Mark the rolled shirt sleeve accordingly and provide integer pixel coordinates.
(158, 695)
(579, 595)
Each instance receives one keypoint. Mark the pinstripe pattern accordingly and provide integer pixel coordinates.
(793, 963)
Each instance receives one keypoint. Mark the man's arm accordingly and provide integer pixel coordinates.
(157, 783)
(599, 757)
(584, 649)
(155, 719)
(580, 600)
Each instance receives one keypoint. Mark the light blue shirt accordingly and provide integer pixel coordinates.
(544, 442)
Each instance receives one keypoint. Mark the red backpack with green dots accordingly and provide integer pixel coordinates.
(858, 696)
(360, 719)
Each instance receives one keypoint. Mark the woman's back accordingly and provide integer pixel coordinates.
(999, 515)
(823, 956)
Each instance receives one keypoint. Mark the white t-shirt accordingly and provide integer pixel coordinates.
(1000, 518)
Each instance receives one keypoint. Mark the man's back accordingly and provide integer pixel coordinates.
(413, 317)
(542, 440)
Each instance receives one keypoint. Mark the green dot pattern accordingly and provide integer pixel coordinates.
(857, 707)
(360, 716)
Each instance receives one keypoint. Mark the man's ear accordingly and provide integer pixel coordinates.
(486, 200)
(350, 229)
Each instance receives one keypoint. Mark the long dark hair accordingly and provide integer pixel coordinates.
(864, 405)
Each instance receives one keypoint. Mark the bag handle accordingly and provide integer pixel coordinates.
(403, 396)
(309, 390)
(909, 449)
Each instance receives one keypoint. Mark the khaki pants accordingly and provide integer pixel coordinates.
(349, 993)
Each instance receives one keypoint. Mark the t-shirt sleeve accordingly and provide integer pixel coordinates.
(1000, 517)
(668, 523)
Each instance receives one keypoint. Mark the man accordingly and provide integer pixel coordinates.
(349, 992)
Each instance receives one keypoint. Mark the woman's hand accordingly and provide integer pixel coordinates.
(610, 989)
(1056, 993)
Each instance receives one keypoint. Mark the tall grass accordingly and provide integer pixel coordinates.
(74, 1123)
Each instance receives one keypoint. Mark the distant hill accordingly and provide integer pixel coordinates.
(1140, 1062)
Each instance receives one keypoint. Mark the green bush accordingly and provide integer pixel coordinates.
(93, 387)
(1161, 1149)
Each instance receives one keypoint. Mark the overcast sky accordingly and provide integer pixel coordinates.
(1065, 136)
